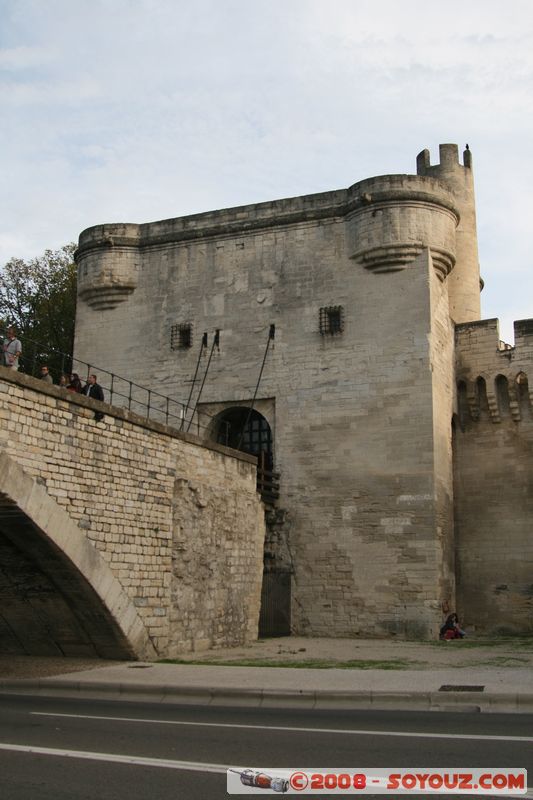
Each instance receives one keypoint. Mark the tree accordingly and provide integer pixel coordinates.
(38, 297)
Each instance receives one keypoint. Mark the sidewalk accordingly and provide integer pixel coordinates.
(497, 677)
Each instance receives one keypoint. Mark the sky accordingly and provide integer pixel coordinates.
(138, 110)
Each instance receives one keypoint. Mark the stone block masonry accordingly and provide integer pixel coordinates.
(351, 414)
(176, 522)
(377, 521)
(493, 457)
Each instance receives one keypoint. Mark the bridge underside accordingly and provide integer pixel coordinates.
(47, 607)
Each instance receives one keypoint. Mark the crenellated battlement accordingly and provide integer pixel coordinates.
(494, 379)
(464, 281)
(493, 447)
(480, 341)
(449, 160)
(389, 221)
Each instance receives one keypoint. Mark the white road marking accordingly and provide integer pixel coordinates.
(140, 761)
(345, 732)
(165, 763)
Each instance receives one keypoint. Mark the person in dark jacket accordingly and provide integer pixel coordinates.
(93, 390)
(451, 629)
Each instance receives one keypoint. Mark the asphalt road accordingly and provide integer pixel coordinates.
(58, 749)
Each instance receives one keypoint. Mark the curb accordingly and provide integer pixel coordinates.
(495, 702)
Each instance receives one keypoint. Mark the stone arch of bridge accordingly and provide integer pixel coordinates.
(59, 596)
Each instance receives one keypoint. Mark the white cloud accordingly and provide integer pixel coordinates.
(138, 110)
(23, 57)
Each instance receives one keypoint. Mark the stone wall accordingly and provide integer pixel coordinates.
(443, 391)
(179, 523)
(493, 440)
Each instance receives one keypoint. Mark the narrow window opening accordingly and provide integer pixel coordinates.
(331, 320)
(483, 403)
(522, 387)
(502, 393)
(462, 404)
(181, 336)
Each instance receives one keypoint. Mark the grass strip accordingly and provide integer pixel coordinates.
(394, 663)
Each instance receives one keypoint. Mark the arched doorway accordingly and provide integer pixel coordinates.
(249, 431)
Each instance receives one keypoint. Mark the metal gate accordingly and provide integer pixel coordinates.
(275, 615)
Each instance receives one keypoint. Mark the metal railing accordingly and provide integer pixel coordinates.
(127, 394)
(118, 390)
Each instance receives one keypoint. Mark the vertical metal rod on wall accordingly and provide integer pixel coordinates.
(202, 347)
(216, 340)
(271, 335)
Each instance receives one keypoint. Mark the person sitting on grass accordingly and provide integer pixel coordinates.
(451, 629)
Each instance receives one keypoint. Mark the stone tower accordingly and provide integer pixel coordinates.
(464, 282)
(355, 404)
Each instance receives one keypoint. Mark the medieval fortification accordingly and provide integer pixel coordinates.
(400, 425)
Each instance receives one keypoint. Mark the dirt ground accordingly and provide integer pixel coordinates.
(46, 666)
(365, 653)
(420, 655)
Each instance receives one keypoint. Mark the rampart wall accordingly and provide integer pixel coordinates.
(493, 437)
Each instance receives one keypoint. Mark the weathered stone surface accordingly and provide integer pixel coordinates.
(110, 498)
(493, 446)
(361, 415)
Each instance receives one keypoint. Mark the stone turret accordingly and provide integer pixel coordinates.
(463, 281)
(108, 263)
(395, 217)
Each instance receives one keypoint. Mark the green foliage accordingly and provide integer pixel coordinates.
(38, 297)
